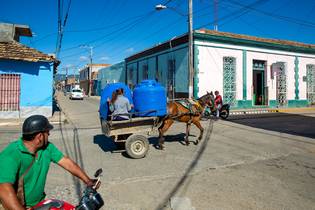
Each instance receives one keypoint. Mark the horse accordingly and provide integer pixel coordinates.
(187, 111)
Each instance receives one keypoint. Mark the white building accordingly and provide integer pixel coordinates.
(248, 71)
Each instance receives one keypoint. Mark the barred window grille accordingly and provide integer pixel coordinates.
(10, 92)
(145, 71)
(171, 78)
(310, 78)
(281, 79)
(130, 77)
(229, 80)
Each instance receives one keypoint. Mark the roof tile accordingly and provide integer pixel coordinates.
(17, 51)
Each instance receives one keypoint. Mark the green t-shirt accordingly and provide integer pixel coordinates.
(16, 158)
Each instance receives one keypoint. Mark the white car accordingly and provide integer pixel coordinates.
(76, 94)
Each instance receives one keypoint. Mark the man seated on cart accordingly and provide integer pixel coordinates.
(119, 105)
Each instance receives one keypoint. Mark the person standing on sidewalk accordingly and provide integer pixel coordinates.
(24, 165)
(218, 102)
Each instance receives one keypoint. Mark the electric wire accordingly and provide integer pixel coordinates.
(281, 17)
(155, 33)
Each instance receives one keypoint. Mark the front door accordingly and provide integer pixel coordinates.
(259, 92)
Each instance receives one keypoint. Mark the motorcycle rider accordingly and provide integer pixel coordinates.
(30, 157)
(218, 102)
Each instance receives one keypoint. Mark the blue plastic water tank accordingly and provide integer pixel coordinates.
(149, 95)
(107, 93)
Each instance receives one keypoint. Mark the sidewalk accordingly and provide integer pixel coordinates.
(272, 110)
(56, 118)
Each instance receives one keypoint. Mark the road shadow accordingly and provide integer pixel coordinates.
(55, 106)
(105, 143)
(294, 124)
(108, 145)
(180, 138)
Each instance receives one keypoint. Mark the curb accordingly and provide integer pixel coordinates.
(20, 123)
(276, 110)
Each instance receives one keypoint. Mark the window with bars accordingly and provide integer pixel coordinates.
(281, 81)
(10, 92)
(145, 72)
(229, 80)
(130, 77)
(310, 81)
(171, 78)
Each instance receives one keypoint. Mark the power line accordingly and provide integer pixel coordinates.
(126, 29)
(246, 10)
(121, 30)
(156, 32)
(109, 26)
(281, 17)
(242, 9)
(61, 27)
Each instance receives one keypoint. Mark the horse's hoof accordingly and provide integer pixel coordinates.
(196, 142)
(161, 147)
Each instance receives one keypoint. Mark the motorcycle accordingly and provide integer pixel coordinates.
(90, 200)
(224, 112)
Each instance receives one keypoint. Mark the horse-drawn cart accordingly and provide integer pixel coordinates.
(132, 133)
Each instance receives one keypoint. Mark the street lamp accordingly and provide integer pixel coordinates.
(90, 68)
(190, 44)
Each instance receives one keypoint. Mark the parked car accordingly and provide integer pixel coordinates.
(76, 94)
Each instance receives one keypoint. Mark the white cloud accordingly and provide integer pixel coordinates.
(83, 58)
(129, 50)
(104, 58)
(69, 65)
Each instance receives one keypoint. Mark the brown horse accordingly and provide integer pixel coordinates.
(187, 111)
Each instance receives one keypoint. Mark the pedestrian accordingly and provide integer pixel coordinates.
(218, 102)
(24, 165)
(120, 105)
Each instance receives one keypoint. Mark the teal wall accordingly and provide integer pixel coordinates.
(158, 67)
(110, 74)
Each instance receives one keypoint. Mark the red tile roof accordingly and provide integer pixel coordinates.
(17, 51)
(258, 39)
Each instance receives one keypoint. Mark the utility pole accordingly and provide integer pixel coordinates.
(66, 82)
(90, 68)
(90, 71)
(190, 45)
(215, 12)
(190, 51)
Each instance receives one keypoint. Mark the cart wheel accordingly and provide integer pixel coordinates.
(137, 146)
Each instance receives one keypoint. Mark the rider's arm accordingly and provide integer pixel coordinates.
(75, 170)
(8, 197)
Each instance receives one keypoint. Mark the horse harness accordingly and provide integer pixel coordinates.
(193, 106)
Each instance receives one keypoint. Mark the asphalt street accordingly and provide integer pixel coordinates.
(248, 162)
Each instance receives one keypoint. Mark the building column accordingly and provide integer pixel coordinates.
(296, 77)
(244, 75)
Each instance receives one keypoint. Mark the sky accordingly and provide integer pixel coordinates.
(116, 29)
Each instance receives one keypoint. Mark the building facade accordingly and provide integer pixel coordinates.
(84, 75)
(248, 71)
(111, 74)
(26, 76)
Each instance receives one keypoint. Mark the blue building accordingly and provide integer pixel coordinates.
(167, 63)
(26, 75)
(111, 74)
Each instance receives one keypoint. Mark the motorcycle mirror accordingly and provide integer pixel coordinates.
(98, 172)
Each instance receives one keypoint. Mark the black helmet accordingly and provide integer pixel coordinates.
(35, 124)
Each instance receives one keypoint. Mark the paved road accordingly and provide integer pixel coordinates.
(246, 163)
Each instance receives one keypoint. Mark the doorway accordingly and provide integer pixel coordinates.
(259, 83)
